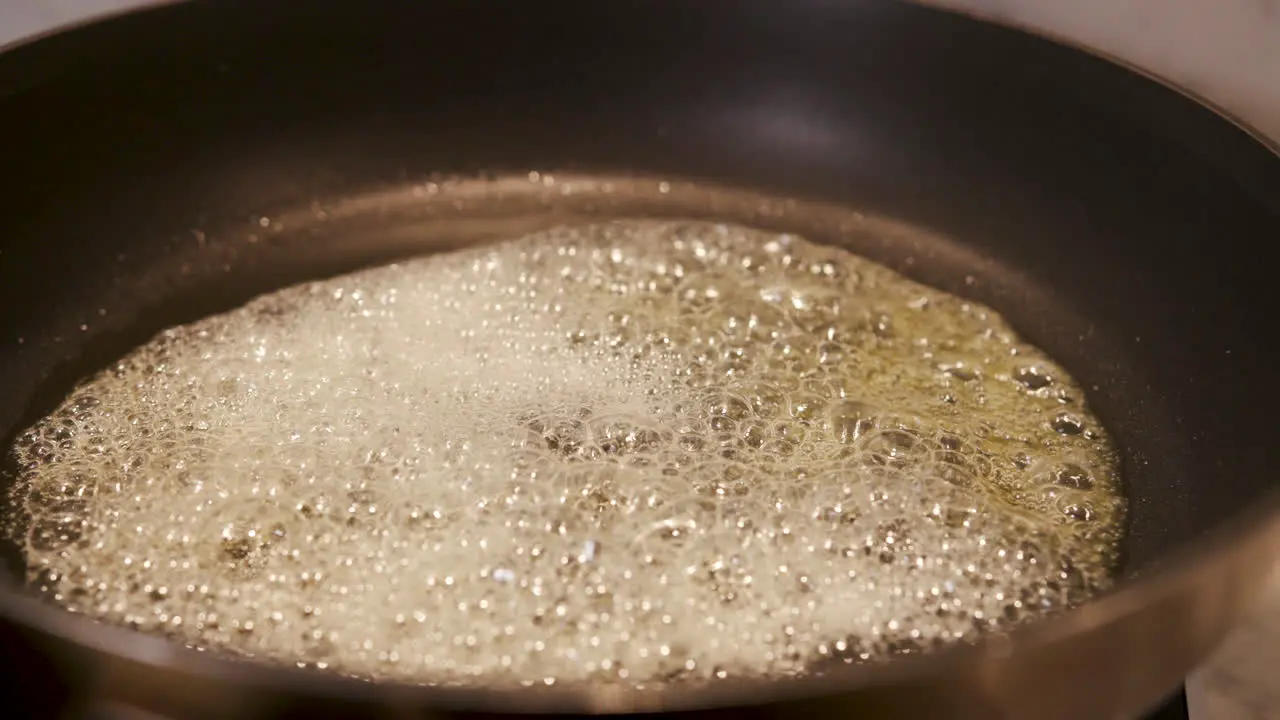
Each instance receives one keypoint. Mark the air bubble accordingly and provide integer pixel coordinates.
(1079, 513)
(1073, 476)
(1032, 377)
(851, 419)
(1067, 424)
(882, 326)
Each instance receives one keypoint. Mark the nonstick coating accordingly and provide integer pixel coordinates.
(1115, 222)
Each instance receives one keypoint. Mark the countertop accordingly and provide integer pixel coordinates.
(1227, 51)
(1241, 680)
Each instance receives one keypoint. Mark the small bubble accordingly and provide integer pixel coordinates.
(882, 326)
(959, 371)
(1079, 513)
(1067, 424)
(1032, 377)
(1073, 476)
(850, 420)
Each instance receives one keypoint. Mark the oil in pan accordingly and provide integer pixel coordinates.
(635, 450)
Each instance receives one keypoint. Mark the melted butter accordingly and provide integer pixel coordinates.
(635, 451)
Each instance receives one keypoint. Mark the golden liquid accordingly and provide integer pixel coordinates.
(634, 451)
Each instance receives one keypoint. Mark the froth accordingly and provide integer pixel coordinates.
(635, 450)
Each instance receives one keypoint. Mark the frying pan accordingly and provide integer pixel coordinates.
(173, 162)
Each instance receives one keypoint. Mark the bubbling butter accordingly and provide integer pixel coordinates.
(633, 451)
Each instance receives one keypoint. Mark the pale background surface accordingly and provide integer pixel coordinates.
(1227, 51)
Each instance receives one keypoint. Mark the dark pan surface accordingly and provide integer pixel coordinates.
(1116, 223)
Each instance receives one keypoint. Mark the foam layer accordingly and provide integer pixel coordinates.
(635, 450)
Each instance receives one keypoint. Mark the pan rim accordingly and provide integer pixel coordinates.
(1246, 534)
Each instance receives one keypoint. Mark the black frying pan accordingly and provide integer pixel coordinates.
(1117, 223)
